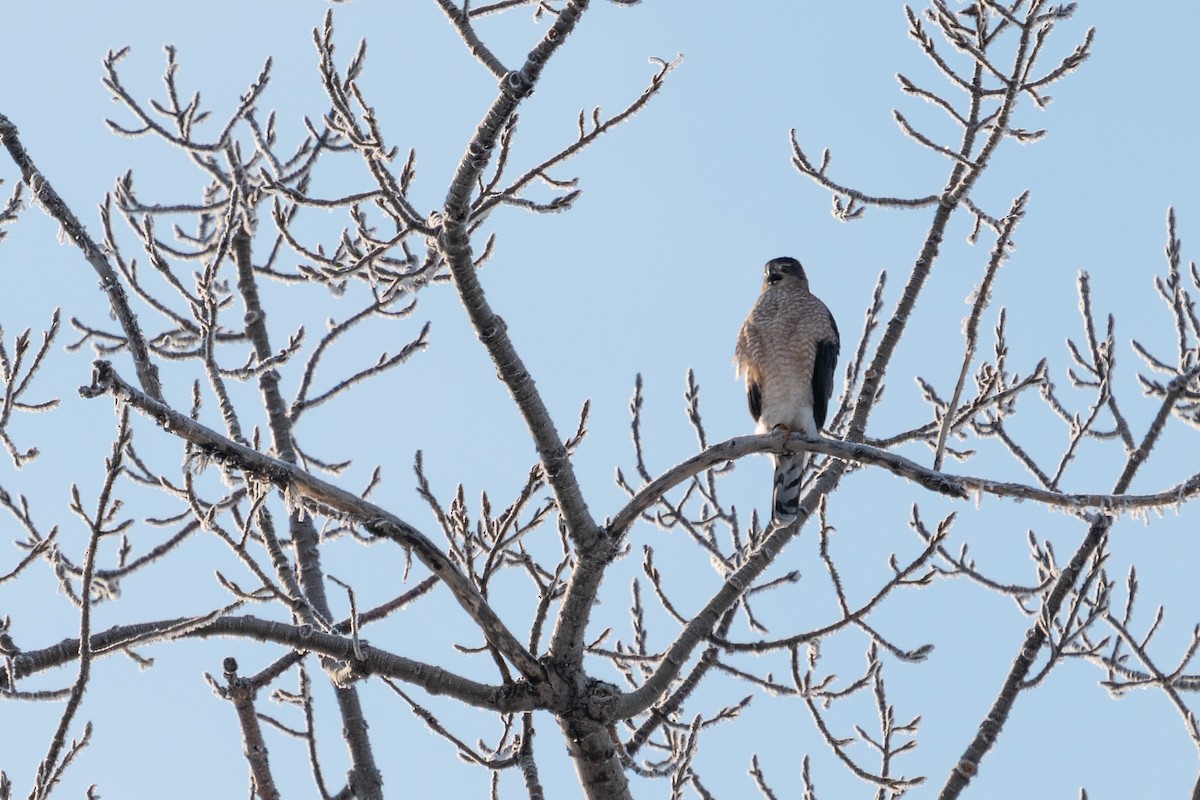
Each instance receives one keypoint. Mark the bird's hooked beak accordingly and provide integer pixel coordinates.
(774, 273)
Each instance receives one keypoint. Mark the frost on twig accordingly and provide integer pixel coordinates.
(529, 571)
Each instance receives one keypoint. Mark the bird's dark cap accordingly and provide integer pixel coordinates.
(784, 265)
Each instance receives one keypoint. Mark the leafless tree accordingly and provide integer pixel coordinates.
(194, 286)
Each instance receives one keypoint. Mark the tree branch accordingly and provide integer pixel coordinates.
(57, 208)
(433, 679)
(302, 488)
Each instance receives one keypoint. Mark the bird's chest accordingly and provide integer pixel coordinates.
(785, 355)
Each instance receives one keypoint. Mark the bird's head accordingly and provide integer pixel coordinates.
(784, 268)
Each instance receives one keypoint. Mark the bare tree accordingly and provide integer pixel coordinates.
(194, 357)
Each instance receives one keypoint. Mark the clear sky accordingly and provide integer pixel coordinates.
(651, 272)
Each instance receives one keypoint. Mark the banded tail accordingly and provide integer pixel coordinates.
(785, 498)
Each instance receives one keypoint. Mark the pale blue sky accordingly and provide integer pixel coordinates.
(651, 273)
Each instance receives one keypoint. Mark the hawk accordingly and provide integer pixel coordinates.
(788, 348)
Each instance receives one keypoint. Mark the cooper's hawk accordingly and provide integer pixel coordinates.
(788, 348)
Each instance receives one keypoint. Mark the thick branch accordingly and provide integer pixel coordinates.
(57, 208)
(1037, 636)
(365, 775)
(594, 550)
(301, 487)
(433, 679)
(240, 692)
(952, 485)
(701, 625)
(456, 245)
(1035, 639)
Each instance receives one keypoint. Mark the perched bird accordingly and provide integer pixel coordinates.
(788, 348)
